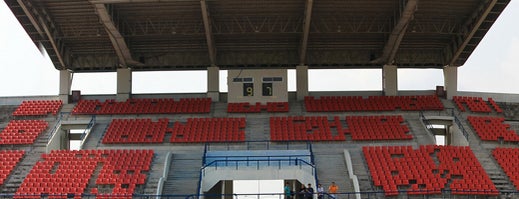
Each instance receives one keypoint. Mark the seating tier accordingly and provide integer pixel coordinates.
(372, 103)
(144, 106)
(320, 128)
(508, 159)
(22, 131)
(209, 130)
(9, 160)
(492, 128)
(128, 131)
(476, 104)
(63, 173)
(38, 108)
(244, 107)
(427, 170)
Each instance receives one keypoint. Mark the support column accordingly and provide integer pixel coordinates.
(450, 78)
(390, 80)
(301, 82)
(213, 83)
(124, 84)
(65, 81)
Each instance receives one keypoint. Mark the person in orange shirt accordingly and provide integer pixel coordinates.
(332, 190)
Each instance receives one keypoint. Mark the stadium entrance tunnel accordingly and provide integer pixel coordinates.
(229, 172)
(446, 130)
(69, 134)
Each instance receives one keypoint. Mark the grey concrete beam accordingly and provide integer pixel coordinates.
(133, 1)
(306, 31)
(40, 23)
(118, 42)
(395, 38)
(473, 26)
(208, 32)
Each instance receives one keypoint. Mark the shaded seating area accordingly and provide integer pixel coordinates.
(428, 170)
(476, 104)
(66, 174)
(508, 159)
(209, 130)
(9, 160)
(492, 129)
(38, 108)
(244, 107)
(372, 103)
(380, 127)
(143, 106)
(128, 131)
(22, 131)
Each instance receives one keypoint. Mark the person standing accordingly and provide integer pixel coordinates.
(302, 192)
(333, 189)
(309, 192)
(288, 191)
(320, 191)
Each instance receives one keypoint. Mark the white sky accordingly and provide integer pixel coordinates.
(491, 68)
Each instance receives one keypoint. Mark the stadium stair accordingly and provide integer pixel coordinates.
(481, 151)
(332, 168)
(183, 174)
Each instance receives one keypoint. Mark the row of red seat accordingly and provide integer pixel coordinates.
(476, 104)
(38, 108)
(9, 160)
(508, 159)
(427, 170)
(492, 128)
(209, 130)
(320, 128)
(136, 131)
(144, 106)
(301, 128)
(383, 127)
(22, 131)
(372, 103)
(244, 107)
(65, 172)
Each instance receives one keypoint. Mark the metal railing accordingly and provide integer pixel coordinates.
(446, 194)
(88, 127)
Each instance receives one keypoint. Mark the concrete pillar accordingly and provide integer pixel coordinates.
(124, 84)
(213, 83)
(65, 81)
(450, 78)
(301, 82)
(390, 80)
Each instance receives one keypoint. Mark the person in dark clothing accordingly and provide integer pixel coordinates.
(309, 192)
(302, 192)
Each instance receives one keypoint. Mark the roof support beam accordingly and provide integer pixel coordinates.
(44, 24)
(208, 33)
(120, 47)
(396, 36)
(472, 26)
(133, 1)
(306, 32)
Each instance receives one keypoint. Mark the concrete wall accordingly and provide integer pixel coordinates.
(456, 136)
(236, 89)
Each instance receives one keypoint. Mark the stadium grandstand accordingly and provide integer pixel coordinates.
(437, 143)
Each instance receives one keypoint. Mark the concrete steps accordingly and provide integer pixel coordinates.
(183, 174)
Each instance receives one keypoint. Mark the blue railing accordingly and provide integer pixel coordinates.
(268, 145)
